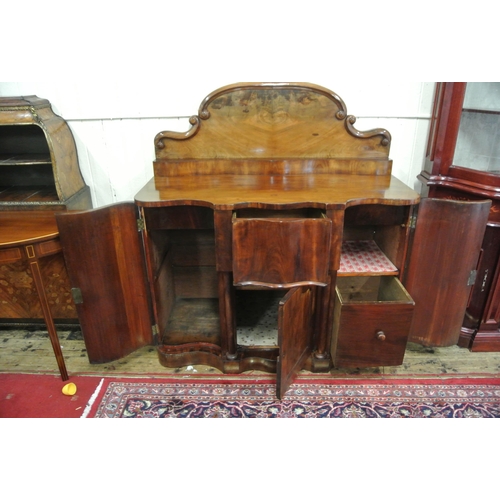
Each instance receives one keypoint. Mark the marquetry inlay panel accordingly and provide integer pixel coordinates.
(18, 296)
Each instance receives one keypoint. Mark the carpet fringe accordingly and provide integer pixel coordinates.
(92, 399)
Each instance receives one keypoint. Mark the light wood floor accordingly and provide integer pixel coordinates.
(28, 350)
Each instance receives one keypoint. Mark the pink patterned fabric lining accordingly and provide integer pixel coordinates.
(364, 256)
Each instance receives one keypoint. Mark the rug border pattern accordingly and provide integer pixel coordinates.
(315, 399)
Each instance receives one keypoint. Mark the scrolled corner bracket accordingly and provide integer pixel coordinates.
(178, 136)
(386, 136)
(204, 114)
(340, 115)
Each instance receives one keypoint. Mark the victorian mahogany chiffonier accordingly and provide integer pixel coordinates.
(271, 237)
(39, 175)
(463, 163)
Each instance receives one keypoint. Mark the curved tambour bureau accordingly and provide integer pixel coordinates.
(39, 173)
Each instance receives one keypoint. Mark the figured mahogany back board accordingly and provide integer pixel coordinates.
(272, 127)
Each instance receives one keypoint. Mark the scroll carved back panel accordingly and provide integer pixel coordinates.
(273, 121)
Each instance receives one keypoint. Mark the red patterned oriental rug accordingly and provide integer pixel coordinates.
(307, 398)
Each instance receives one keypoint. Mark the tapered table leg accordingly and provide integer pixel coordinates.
(37, 276)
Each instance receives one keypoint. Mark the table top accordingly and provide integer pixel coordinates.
(227, 192)
(22, 227)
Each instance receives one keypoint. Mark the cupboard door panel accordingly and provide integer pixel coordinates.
(281, 252)
(486, 338)
(295, 330)
(485, 281)
(445, 250)
(105, 262)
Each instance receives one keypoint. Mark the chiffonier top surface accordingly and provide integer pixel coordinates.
(270, 191)
(272, 145)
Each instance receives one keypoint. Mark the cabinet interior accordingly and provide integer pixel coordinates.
(379, 229)
(371, 289)
(25, 165)
(256, 307)
(257, 317)
(182, 258)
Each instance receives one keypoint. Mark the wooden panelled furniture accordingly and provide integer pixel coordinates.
(29, 240)
(39, 173)
(463, 163)
(271, 202)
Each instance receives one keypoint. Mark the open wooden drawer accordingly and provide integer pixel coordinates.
(281, 248)
(372, 320)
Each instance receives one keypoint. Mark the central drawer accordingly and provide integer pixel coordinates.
(281, 248)
(372, 321)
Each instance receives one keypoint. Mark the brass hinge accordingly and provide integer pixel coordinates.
(154, 329)
(472, 277)
(413, 222)
(140, 225)
(77, 295)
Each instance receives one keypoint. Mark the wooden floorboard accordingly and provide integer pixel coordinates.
(28, 350)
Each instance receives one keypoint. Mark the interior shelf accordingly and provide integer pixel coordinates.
(29, 194)
(22, 159)
(193, 320)
(364, 257)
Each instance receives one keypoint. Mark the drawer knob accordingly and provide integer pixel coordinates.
(381, 335)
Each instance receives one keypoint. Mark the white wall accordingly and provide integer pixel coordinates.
(123, 71)
(119, 73)
(114, 123)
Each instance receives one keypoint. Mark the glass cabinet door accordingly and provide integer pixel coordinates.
(478, 140)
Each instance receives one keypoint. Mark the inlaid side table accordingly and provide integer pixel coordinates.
(30, 238)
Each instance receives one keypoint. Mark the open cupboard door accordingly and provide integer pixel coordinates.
(104, 258)
(444, 257)
(295, 333)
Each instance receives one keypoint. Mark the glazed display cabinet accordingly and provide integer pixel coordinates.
(463, 163)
